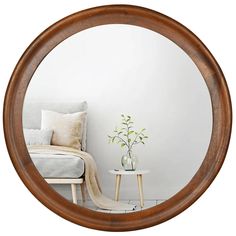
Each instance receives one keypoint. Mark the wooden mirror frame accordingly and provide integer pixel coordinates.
(117, 14)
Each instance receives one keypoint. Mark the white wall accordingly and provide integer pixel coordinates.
(127, 69)
(18, 205)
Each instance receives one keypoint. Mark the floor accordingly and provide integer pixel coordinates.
(147, 204)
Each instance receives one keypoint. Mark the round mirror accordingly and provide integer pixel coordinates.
(123, 118)
(109, 71)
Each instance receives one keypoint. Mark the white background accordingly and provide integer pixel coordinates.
(124, 69)
(22, 21)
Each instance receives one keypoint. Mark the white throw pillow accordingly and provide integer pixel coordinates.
(37, 136)
(31, 116)
(67, 128)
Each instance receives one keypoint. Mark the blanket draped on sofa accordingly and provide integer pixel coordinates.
(91, 177)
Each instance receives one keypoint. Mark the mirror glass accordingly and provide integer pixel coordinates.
(117, 118)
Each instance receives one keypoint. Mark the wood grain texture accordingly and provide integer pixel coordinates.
(117, 14)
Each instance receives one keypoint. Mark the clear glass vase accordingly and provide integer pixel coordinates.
(129, 161)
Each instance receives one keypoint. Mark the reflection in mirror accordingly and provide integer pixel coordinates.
(117, 118)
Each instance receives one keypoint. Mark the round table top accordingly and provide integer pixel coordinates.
(128, 172)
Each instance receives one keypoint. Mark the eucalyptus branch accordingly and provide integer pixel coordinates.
(128, 139)
(135, 143)
(122, 140)
(135, 139)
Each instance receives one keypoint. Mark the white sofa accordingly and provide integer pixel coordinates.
(65, 169)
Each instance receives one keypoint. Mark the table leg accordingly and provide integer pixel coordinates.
(140, 187)
(117, 190)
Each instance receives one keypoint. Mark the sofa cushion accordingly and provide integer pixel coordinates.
(31, 116)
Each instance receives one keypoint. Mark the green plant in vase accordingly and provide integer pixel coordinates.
(127, 138)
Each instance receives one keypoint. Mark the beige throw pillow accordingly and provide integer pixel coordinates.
(67, 128)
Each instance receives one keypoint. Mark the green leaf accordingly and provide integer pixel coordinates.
(131, 132)
(122, 145)
(120, 133)
(140, 138)
(129, 140)
(142, 142)
(145, 137)
(123, 123)
(113, 139)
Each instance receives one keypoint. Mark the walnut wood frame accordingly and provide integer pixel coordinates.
(117, 14)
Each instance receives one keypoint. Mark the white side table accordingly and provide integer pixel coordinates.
(139, 174)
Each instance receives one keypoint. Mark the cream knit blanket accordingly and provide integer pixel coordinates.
(91, 179)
